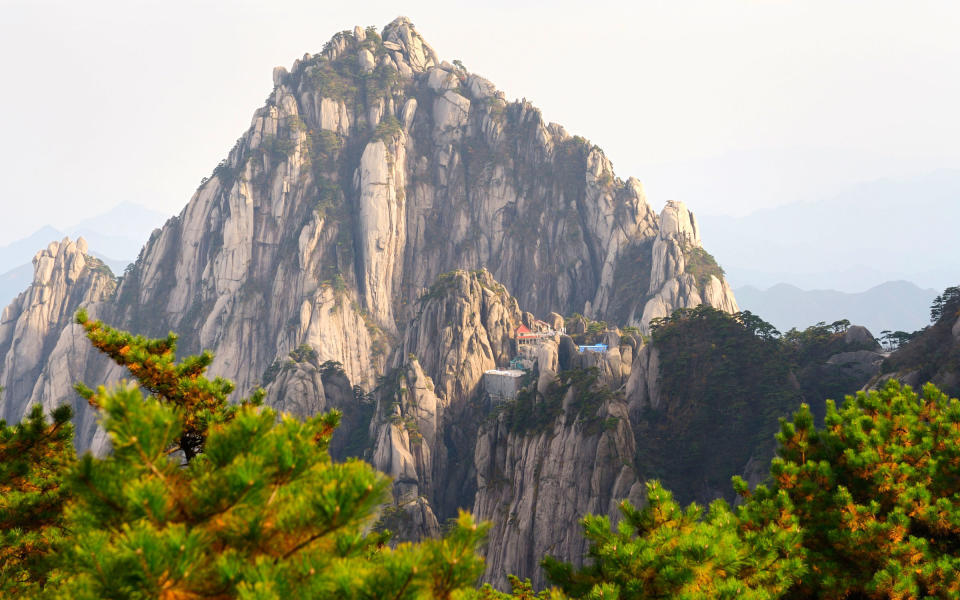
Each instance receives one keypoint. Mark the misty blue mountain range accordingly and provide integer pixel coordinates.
(115, 237)
(895, 305)
(846, 242)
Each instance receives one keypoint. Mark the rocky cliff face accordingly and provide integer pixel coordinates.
(44, 352)
(307, 263)
(682, 274)
(431, 400)
(697, 405)
(447, 445)
(539, 472)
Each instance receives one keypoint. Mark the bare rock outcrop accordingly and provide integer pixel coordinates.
(382, 225)
(529, 482)
(683, 274)
(465, 325)
(425, 423)
(407, 444)
(643, 386)
(862, 364)
(44, 352)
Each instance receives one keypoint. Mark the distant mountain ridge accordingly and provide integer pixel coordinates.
(116, 235)
(847, 242)
(19, 252)
(894, 305)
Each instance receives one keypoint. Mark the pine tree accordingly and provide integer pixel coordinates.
(34, 456)
(262, 513)
(665, 551)
(877, 494)
(152, 362)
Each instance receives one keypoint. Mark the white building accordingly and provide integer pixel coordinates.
(502, 384)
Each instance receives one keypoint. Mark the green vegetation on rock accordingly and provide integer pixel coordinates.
(532, 413)
(335, 80)
(277, 148)
(933, 353)
(702, 265)
(725, 380)
(388, 128)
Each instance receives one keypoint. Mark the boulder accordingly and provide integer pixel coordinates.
(450, 114)
(480, 88)
(577, 325)
(440, 80)
(367, 62)
(611, 339)
(678, 222)
(555, 321)
(859, 336)
(408, 112)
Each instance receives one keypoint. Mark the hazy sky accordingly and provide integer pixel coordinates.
(730, 105)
